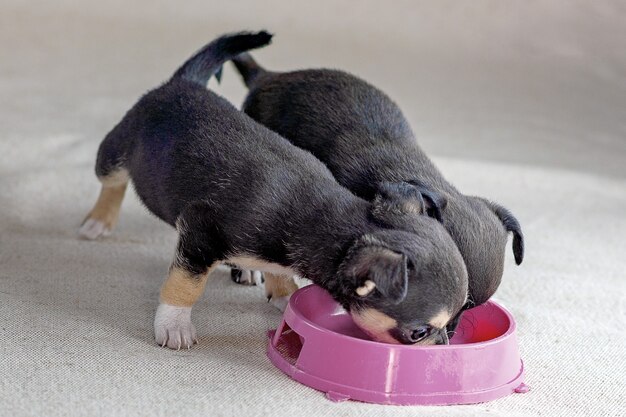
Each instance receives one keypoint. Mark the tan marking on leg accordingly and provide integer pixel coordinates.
(279, 285)
(107, 208)
(115, 178)
(440, 320)
(182, 288)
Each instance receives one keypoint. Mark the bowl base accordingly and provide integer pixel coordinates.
(283, 351)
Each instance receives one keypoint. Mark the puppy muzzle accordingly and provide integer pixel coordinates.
(405, 336)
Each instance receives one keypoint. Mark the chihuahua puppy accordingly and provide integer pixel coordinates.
(364, 139)
(238, 192)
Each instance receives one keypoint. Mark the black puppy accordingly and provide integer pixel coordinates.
(363, 138)
(239, 193)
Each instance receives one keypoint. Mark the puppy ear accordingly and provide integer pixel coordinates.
(377, 267)
(511, 225)
(410, 197)
(434, 202)
(400, 197)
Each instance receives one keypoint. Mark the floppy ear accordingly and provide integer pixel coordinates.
(399, 196)
(511, 225)
(409, 197)
(434, 202)
(376, 267)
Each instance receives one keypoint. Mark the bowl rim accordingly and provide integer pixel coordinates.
(496, 340)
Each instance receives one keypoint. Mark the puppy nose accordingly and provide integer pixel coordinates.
(406, 336)
(416, 335)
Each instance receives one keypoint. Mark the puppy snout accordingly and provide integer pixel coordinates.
(442, 337)
(413, 336)
(423, 335)
(454, 323)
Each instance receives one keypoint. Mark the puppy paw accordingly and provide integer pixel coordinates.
(278, 290)
(173, 327)
(279, 302)
(93, 229)
(246, 277)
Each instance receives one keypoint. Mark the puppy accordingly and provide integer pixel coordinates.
(363, 138)
(239, 193)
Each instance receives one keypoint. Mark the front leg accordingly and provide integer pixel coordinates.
(195, 259)
(172, 323)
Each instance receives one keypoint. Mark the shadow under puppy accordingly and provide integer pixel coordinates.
(237, 192)
(364, 139)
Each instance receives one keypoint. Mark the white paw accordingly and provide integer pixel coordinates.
(246, 277)
(257, 278)
(173, 327)
(280, 302)
(93, 229)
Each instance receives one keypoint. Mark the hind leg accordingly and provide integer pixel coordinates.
(278, 289)
(114, 178)
(104, 215)
(245, 276)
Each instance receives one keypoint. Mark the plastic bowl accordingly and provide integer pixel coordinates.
(318, 344)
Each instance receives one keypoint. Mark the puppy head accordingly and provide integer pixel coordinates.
(401, 287)
(480, 229)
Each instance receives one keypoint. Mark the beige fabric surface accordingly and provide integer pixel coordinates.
(526, 106)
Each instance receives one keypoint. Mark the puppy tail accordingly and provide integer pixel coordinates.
(208, 61)
(248, 68)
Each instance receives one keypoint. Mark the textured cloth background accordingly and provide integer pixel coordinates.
(525, 105)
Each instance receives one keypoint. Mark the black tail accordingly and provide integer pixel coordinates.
(248, 68)
(208, 61)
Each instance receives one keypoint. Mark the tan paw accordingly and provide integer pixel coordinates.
(278, 289)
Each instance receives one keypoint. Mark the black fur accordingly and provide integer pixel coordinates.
(511, 225)
(364, 139)
(208, 61)
(235, 188)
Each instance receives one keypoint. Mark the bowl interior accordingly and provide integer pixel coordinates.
(480, 324)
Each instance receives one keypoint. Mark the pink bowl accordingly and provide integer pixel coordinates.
(318, 344)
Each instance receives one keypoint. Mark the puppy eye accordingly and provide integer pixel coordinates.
(420, 333)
